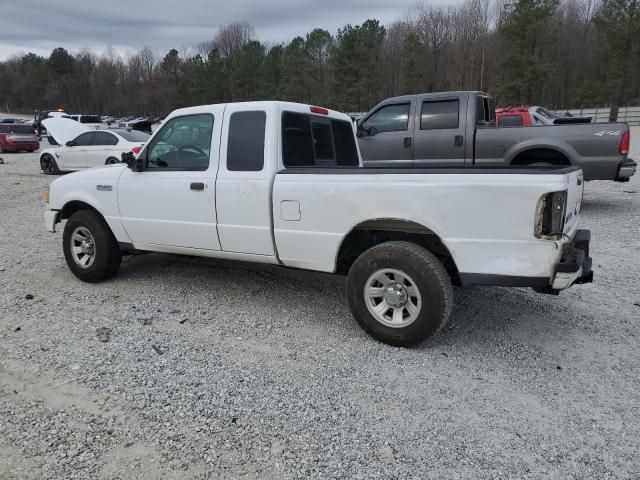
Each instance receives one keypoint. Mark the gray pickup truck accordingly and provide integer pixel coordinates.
(459, 129)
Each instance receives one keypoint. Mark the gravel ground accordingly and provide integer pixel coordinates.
(182, 368)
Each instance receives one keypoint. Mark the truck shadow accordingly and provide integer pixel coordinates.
(317, 302)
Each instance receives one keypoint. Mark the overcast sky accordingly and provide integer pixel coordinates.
(40, 26)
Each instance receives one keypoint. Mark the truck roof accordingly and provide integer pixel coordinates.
(435, 95)
(290, 106)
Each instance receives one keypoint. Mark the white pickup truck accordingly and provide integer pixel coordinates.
(283, 184)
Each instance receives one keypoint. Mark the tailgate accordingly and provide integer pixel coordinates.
(575, 189)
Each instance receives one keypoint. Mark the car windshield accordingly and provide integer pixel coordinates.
(16, 128)
(89, 119)
(546, 113)
(133, 135)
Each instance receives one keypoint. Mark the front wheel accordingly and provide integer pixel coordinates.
(48, 164)
(111, 161)
(90, 249)
(399, 293)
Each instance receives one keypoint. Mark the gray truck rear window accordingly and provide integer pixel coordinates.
(316, 141)
(245, 147)
(440, 114)
(510, 121)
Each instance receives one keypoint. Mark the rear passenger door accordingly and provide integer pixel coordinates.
(103, 146)
(439, 134)
(243, 186)
(384, 136)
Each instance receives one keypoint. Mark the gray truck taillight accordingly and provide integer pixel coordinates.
(550, 214)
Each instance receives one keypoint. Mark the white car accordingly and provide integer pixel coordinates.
(78, 147)
(283, 184)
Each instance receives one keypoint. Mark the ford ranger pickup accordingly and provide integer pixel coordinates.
(283, 184)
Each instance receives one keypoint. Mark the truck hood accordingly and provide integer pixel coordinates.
(63, 130)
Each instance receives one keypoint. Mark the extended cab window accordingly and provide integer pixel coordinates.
(314, 141)
(510, 121)
(183, 143)
(390, 118)
(439, 115)
(104, 138)
(245, 146)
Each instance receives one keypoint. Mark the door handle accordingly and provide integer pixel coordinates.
(197, 186)
(458, 140)
(407, 142)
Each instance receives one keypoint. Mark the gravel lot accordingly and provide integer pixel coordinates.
(213, 369)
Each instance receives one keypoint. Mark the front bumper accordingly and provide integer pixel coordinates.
(575, 264)
(51, 219)
(626, 170)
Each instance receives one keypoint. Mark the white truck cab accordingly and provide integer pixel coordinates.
(283, 183)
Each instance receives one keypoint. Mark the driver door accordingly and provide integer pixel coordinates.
(171, 202)
(76, 156)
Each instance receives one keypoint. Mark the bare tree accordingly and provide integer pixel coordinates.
(233, 37)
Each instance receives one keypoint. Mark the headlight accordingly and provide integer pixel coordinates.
(550, 214)
(46, 195)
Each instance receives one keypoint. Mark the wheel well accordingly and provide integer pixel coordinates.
(372, 233)
(547, 155)
(75, 206)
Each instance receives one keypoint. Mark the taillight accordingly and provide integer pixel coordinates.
(550, 212)
(136, 150)
(319, 110)
(624, 143)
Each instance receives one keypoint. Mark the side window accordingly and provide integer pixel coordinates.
(183, 143)
(245, 145)
(439, 115)
(389, 118)
(104, 138)
(84, 139)
(313, 141)
(510, 121)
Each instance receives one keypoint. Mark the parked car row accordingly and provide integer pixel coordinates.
(529, 116)
(77, 146)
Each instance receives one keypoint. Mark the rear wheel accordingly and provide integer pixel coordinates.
(48, 164)
(399, 293)
(111, 161)
(90, 249)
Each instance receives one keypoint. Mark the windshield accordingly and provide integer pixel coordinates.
(133, 135)
(546, 113)
(16, 128)
(89, 119)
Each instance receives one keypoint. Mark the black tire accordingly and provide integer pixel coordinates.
(111, 161)
(106, 252)
(425, 272)
(48, 165)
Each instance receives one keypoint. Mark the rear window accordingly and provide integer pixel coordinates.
(314, 141)
(89, 119)
(133, 135)
(510, 121)
(16, 128)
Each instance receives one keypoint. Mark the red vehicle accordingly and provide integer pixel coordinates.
(15, 137)
(526, 116)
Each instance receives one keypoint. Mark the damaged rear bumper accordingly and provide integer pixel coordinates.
(575, 264)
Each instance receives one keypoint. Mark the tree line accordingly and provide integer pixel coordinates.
(559, 53)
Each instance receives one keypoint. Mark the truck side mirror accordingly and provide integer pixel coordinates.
(135, 164)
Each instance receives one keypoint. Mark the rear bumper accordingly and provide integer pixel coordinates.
(573, 267)
(626, 170)
(575, 264)
(17, 146)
